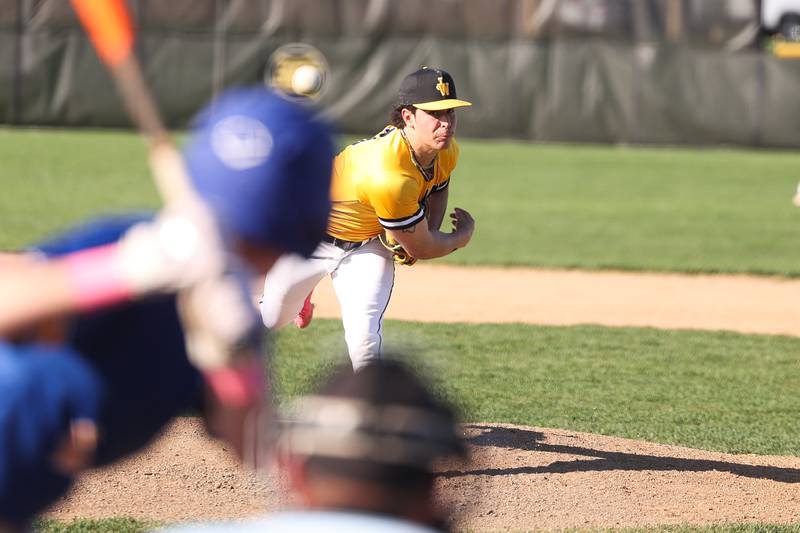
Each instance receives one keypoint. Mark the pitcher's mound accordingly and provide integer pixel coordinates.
(518, 478)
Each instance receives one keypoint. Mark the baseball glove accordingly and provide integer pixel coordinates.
(399, 254)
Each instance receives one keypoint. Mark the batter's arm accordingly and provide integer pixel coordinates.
(142, 262)
(13, 260)
(437, 204)
(424, 242)
(33, 291)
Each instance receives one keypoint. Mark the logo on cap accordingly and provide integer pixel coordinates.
(241, 142)
(430, 90)
(443, 87)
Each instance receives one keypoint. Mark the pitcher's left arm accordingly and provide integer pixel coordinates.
(437, 206)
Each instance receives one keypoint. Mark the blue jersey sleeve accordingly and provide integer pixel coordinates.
(135, 347)
(124, 367)
(90, 234)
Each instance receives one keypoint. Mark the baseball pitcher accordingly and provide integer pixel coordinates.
(389, 196)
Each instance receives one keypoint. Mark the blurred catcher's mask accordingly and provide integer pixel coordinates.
(371, 429)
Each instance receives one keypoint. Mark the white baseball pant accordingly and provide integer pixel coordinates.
(362, 279)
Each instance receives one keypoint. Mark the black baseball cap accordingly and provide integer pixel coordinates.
(429, 89)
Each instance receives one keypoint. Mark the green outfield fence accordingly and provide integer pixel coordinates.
(631, 71)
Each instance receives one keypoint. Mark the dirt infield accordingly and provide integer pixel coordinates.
(552, 297)
(520, 477)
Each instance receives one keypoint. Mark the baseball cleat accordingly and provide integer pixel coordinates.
(303, 318)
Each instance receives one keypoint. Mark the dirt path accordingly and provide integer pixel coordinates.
(669, 301)
(520, 478)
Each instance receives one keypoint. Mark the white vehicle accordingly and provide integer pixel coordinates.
(781, 17)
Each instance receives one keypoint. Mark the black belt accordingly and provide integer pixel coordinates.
(341, 243)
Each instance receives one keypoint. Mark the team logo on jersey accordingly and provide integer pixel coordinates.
(241, 142)
(443, 87)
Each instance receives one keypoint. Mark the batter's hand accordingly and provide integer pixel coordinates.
(220, 320)
(224, 340)
(179, 248)
(463, 226)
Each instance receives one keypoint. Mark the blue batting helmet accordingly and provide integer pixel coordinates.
(263, 164)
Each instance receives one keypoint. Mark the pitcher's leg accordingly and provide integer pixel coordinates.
(286, 287)
(363, 284)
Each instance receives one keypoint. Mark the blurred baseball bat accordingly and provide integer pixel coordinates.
(109, 27)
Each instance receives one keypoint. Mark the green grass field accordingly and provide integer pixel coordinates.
(591, 207)
(53, 178)
(109, 525)
(630, 208)
(588, 207)
(710, 390)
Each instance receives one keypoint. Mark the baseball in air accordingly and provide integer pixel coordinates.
(306, 80)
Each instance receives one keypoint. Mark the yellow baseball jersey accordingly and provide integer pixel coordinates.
(377, 184)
